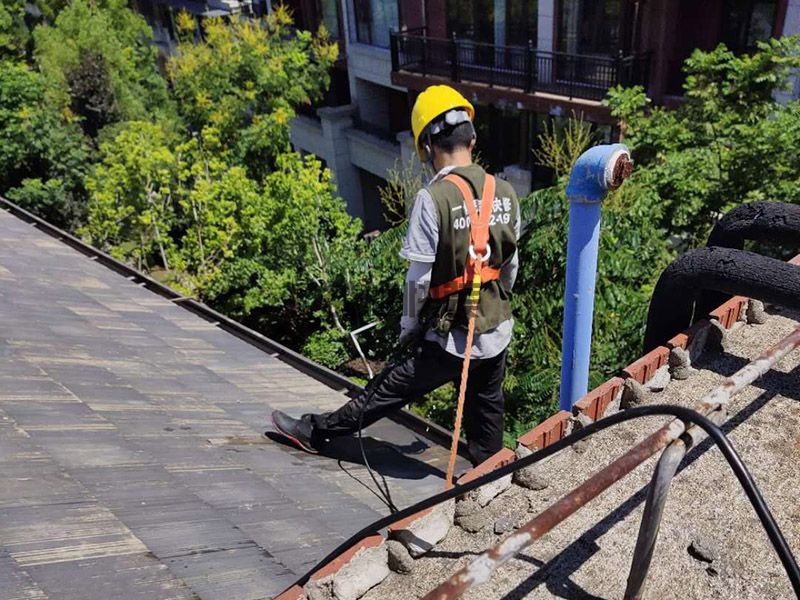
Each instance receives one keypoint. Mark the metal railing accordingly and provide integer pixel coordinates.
(519, 67)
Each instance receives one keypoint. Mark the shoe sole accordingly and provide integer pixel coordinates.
(293, 439)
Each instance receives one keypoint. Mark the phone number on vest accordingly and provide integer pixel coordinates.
(500, 205)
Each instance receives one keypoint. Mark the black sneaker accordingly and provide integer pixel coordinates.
(297, 431)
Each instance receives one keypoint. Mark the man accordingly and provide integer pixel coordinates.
(435, 312)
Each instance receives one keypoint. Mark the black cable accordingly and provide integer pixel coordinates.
(400, 354)
(383, 490)
(685, 414)
(366, 486)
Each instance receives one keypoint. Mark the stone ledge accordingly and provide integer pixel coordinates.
(729, 312)
(685, 338)
(344, 558)
(422, 531)
(497, 460)
(293, 593)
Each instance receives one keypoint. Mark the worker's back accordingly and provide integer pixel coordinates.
(452, 252)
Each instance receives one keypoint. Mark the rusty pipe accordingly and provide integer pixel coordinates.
(480, 570)
(716, 400)
(482, 567)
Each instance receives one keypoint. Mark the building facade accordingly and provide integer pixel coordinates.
(523, 63)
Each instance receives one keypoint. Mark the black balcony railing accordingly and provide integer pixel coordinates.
(519, 67)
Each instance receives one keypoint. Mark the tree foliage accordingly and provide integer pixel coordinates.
(41, 151)
(729, 142)
(132, 207)
(224, 210)
(84, 30)
(244, 80)
(13, 31)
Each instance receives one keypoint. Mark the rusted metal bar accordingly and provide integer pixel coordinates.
(722, 394)
(481, 569)
(712, 404)
(716, 401)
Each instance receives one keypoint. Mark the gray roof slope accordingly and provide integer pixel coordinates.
(130, 447)
(588, 555)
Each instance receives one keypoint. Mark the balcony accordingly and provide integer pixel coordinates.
(524, 69)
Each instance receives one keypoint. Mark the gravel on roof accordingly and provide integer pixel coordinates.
(711, 544)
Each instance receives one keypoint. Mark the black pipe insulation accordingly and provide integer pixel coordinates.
(759, 221)
(726, 270)
(775, 222)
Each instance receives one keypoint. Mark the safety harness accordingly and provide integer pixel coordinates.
(476, 271)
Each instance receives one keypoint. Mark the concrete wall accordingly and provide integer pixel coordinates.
(520, 179)
(370, 63)
(372, 101)
(372, 154)
(327, 139)
(791, 26)
(345, 150)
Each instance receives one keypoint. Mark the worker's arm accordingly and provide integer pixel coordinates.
(418, 282)
(508, 274)
(419, 247)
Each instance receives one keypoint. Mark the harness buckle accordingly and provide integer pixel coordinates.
(485, 257)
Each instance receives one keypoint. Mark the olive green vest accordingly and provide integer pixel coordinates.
(453, 248)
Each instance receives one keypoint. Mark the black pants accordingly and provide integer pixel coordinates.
(429, 368)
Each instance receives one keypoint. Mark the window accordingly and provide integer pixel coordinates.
(589, 26)
(746, 22)
(521, 22)
(471, 19)
(374, 20)
(329, 16)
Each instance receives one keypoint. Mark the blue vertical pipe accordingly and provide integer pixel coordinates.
(589, 182)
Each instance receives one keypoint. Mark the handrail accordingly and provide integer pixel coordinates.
(518, 67)
(504, 47)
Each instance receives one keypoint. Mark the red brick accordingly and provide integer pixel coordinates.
(682, 340)
(344, 558)
(547, 432)
(594, 404)
(293, 593)
(405, 523)
(728, 313)
(495, 461)
(643, 369)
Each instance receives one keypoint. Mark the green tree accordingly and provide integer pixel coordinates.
(244, 80)
(296, 259)
(131, 205)
(127, 76)
(92, 94)
(730, 141)
(13, 31)
(43, 158)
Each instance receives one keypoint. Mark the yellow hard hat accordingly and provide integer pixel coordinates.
(434, 101)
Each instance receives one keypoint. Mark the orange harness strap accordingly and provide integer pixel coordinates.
(479, 238)
(479, 248)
